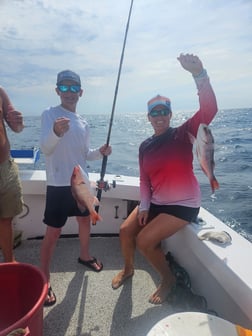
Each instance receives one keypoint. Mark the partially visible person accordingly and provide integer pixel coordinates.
(11, 202)
(169, 191)
(65, 140)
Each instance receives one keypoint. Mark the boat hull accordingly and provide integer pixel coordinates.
(220, 273)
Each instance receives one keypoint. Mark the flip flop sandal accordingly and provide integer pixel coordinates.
(51, 294)
(91, 264)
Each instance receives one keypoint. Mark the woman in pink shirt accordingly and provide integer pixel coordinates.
(169, 191)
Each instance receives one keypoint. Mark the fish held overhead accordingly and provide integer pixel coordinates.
(205, 153)
(81, 190)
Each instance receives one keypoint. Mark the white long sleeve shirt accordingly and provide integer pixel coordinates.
(63, 153)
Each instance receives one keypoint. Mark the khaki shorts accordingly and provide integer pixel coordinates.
(11, 201)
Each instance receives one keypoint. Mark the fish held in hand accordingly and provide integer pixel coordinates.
(82, 193)
(205, 153)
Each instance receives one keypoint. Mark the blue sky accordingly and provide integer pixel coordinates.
(39, 38)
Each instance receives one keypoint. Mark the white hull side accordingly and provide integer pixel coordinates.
(222, 274)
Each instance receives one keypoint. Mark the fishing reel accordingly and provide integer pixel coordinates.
(105, 185)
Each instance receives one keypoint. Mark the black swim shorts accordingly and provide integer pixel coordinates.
(60, 204)
(186, 213)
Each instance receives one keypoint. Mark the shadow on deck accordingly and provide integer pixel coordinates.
(86, 303)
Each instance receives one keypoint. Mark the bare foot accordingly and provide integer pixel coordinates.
(120, 278)
(161, 293)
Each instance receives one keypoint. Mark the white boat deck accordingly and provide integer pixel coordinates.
(88, 306)
(86, 303)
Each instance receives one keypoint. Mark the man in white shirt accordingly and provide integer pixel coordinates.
(65, 142)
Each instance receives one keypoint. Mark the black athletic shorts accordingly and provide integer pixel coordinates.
(60, 204)
(186, 213)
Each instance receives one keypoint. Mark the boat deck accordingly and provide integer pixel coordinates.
(86, 303)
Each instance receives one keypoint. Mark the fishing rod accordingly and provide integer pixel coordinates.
(101, 182)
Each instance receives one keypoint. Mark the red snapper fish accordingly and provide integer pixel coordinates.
(81, 190)
(205, 153)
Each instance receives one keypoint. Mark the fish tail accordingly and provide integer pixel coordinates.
(242, 331)
(95, 217)
(214, 184)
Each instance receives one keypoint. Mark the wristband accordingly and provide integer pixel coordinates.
(202, 74)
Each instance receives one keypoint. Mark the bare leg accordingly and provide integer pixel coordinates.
(128, 232)
(6, 239)
(84, 235)
(46, 252)
(149, 244)
(47, 248)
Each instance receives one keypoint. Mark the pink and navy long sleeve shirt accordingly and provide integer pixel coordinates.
(166, 161)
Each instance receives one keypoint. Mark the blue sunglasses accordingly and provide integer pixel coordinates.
(71, 88)
(156, 113)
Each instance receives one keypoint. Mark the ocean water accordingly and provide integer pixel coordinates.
(233, 157)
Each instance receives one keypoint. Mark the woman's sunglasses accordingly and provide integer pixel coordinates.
(156, 113)
(71, 88)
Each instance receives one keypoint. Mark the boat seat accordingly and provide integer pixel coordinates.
(26, 156)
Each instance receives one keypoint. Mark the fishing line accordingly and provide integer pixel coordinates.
(105, 158)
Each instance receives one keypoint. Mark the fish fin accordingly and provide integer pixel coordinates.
(191, 137)
(214, 184)
(81, 207)
(95, 217)
(96, 201)
(93, 184)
